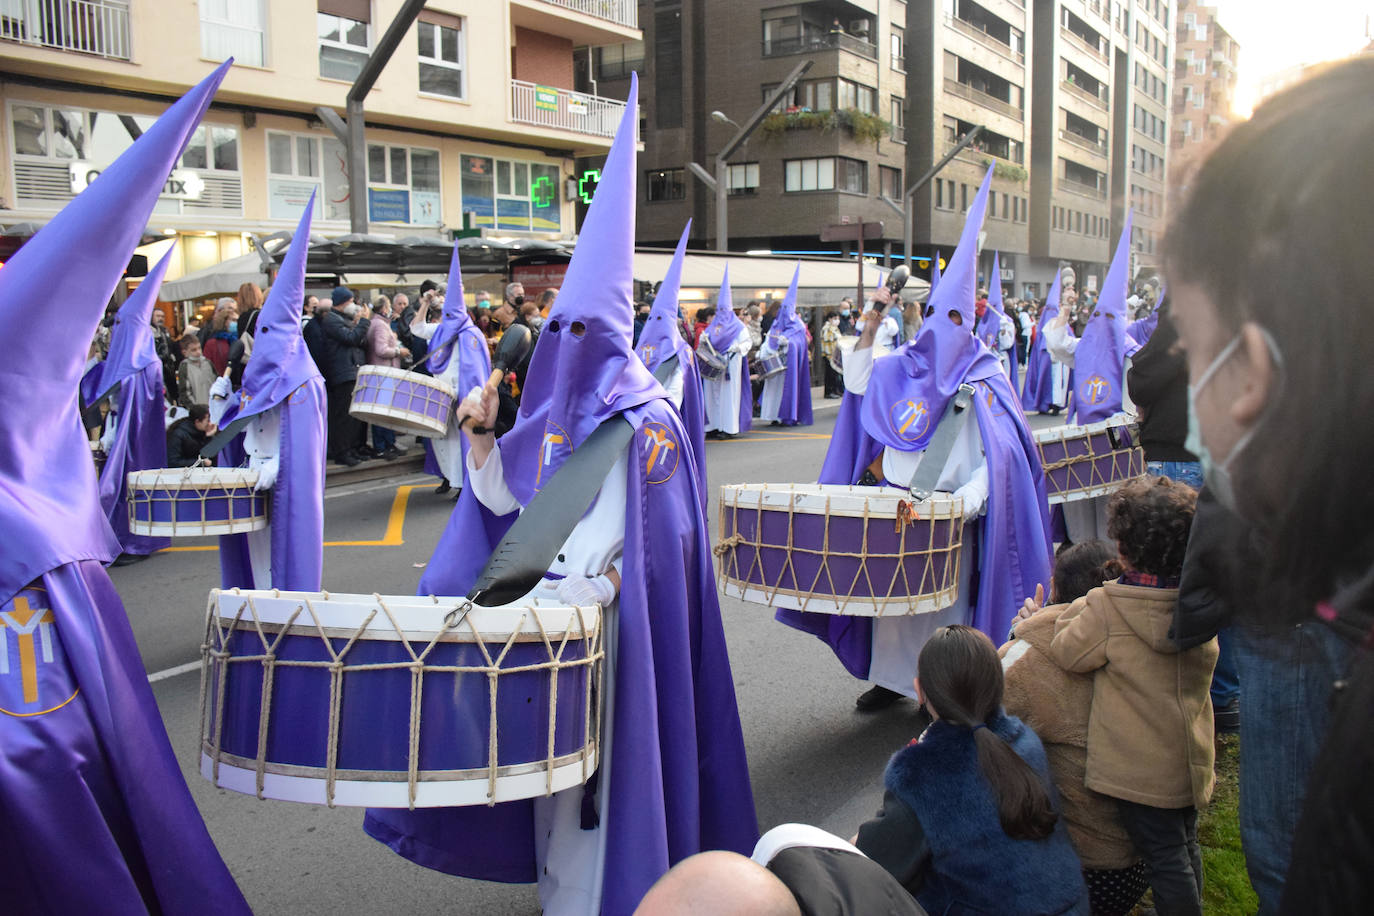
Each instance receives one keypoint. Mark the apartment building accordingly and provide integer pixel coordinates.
(1142, 170)
(476, 120)
(1204, 88)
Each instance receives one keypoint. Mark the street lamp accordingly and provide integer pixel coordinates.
(721, 118)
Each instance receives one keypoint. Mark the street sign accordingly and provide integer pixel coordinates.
(586, 185)
(851, 232)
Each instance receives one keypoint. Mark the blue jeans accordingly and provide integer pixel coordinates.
(1288, 675)
(1189, 472)
(1225, 678)
(382, 438)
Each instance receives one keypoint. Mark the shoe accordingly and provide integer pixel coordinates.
(712, 434)
(1226, 719)
(1054, 411)
(876, 698)
(391, 454)
(348, 460)
(728, 436)
(366, 452)
(776, 423)
(832, 397)
(443, 487)
(129, 559)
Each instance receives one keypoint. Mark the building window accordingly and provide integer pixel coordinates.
(890, 180)
(613, 62)
(856, 95)
(944, 194)
(403, 185)
(896, 48)
(507, 194)
(441, 54)
(343, 27)
(667, 184)
(301, 164)
(740, 179)
(898, 119)
(234, 28)
(833, 173)
(963, 198)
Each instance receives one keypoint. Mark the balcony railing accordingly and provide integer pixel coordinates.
(98, 27)
(1080, 41)
(1085, 94)
(1001, 106)
(561, 109)
(983, 38)
(621, 12)
(1082, 189)
(783, 47)
(1092, 146)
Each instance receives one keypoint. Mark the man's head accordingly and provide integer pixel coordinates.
(310, 305)
(483, 299)
(190, 346)
(1150, 519)
(341, 297)
(426, 286)
(721, 883)
(399, 303)
(515, 294)
(158, 319)
(546, 299)
(529, 310)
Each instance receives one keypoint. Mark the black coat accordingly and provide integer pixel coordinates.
(184, 443)
(1158, 383)
(342, 348)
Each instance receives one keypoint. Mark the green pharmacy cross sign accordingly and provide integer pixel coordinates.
(542, 191)
(586, 185)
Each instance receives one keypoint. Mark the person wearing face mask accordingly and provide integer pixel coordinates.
(1280, 389)
(847, 316)
(830, 339)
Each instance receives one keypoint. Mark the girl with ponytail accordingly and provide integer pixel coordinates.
(968, 823)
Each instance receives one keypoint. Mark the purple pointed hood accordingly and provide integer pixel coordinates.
(585, 369)
(280, 362)
(910, 388)
(787, 320)
(49, 510)
(455, 318)
(725, 324)
(660, 337)
(131, 339)
(1100, 358)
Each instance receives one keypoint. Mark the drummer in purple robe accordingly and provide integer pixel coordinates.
(135, 437)
(730, 399)
(662, 340)
(283, 403)
(97, 816)
(1099, 363)
(992, 465)
(1047, 381)
(671, 779)
(996, 329)
(786, 397)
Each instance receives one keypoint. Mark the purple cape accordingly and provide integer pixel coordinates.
(282, 375)
(995, 304)
(680, 781)
(725, 324)
(1038, 395)
(1099, 362)
(795, 408)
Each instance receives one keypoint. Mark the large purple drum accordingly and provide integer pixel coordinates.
(1086, 461)
(710, 363)
(405, 401)
(398, 701)
(195, 502)
(863, 551)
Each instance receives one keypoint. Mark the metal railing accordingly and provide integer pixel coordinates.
(89, 26)
(985, 39)
(561, 109)
(1094, 146)
(1081, 189)
(621, 12)
(954, 87)
(783, 47)
(1085, 94)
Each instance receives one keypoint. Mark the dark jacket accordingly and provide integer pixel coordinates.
(184, 443)
(343, 348)
(940, 835)
(1158, 383)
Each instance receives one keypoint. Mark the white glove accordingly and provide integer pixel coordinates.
(267, 469)
(579, 591)
(221, 388)
(107, 439)
(975, 493)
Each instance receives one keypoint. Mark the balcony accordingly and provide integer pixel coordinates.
(1090, 97)
(621, 12)
(1001, 106)
(1081, 43)
(1081, 189)
(984, 39)
(1093, 146)
(785, 47)
(561, 109)
(99, 27)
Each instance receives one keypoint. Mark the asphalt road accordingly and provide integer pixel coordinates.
(812, 758)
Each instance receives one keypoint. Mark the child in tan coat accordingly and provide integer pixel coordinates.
(1150, 726)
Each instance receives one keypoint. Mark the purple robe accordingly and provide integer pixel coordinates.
(1099, 362)
(97, 816)
(722, 331)
(795, 409)
(1038, 395)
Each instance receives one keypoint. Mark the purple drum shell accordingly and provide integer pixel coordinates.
(374, 714)
(402, 394)
(1089, 460)
(773, 364)
(916, 573)
(167, 506)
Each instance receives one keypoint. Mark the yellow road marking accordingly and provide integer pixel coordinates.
(393, 537)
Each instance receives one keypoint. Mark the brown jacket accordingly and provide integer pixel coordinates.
(1055, 703)
(1150, 729)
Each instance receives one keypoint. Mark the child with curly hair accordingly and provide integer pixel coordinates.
(1150, 726)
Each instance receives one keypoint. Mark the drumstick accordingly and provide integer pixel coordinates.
(489, 387)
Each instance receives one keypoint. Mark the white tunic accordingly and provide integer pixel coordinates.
(722, 396)
(897, 641)
(262, 445)
(448, 449)
(572, 861)
(770, 400)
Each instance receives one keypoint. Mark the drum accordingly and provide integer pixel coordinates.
(1086, 461)
(398, 701)
(862, 551)
(776, 361)
(194, 502)
(712, 365)
(405, 401)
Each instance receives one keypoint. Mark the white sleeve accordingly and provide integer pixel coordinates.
(674, 387)
(489, 484)
(421, 328)
(743, 343)
(1006, 334)
(858, 369)
(1060, 343)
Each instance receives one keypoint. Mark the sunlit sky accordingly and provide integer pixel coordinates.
(1277, 34)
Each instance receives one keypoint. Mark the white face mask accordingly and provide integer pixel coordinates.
(1217, 474)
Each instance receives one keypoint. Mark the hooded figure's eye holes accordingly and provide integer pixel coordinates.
(553, 326)
(955, 317)
(578, 328)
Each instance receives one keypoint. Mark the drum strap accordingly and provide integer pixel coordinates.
(225, 436)
(532, 541)
(952, 424)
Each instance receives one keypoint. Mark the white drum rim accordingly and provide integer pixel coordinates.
(857, 606)
(194, 529)
(850, 501)
(411, 376)
(430, 792)
(407, 421)
(192, 478)
(1080, 431)
(1092, 492)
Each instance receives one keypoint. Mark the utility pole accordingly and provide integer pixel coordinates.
(350, 132)
(719, 182)
(907, 207)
